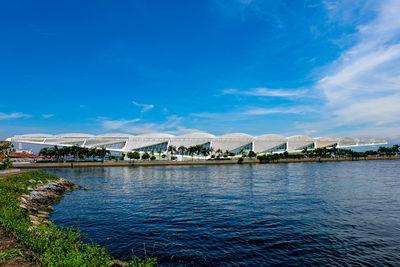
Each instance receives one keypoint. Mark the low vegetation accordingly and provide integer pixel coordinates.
(10, 254)
(330, 153)
(54, 246)
(5, 161)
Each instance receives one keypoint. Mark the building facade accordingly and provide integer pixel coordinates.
(234, 142)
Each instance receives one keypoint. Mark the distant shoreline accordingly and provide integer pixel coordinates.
(51, 165)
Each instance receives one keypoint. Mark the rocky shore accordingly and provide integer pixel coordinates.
(38, 202)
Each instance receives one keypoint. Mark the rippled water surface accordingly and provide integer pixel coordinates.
(333, 213)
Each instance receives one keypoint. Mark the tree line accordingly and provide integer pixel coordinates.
(331, 152)
(191, 151)
(76, 152)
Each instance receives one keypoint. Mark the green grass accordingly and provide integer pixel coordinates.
(54, 246)
(10, 254)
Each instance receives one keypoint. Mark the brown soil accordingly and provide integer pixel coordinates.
(7, 242)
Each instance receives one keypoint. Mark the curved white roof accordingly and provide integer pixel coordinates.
(197, 135)
(156, 135)
(114, 135)
(270, 137)
(36, 135)
(325, 138)
(364, 141)
(236, 135)
(300, 137)
(74, 135)
(347, 139)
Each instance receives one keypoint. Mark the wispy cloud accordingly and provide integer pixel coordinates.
(265, 92)
(46, 116)
(246, 112)
(15, 115)
(288, 110)
(171, 124)
(144, 107)
(363, 85)
(109, 124)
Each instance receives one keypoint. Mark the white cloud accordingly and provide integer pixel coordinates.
(172, 125)
(46, 116)
(288, 110)
(362, 87)
(266, 92)
(144, 107)
(15, 115)
(109, 124)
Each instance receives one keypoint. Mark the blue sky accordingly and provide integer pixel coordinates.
(320, 68)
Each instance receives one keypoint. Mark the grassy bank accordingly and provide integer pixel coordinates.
(53, 246)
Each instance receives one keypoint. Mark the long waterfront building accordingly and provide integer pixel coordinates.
(234, 142)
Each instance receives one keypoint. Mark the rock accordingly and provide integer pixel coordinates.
(35, 220)
(32, 181)
(30, 188)
(26, 197)
(86, 188)
(117, 263)
(43, 216)
(38, 203)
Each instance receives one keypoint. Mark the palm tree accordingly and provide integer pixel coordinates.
(92, 153)
(102, 153)
(205, 152)
(44, 152)
(305, 151)
(171, 150)
(211, 149)
(219, 152)
(191, 151)
(159, 153)
(199, 148)
(227, 153)
(182, 150)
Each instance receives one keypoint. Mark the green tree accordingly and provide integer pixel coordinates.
(211, 149)
(205, 152)
(226, 153)
(172, 150)
(44, 152)
(133, 155)
(191, 151)
(252, 154)
(219, 152)
(182, 150)
(6, 162)
(159, 153)
(146, 156)
(102, 153)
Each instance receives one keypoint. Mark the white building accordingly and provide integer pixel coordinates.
(234, 142)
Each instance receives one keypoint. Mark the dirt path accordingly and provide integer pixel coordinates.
(7, 243)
